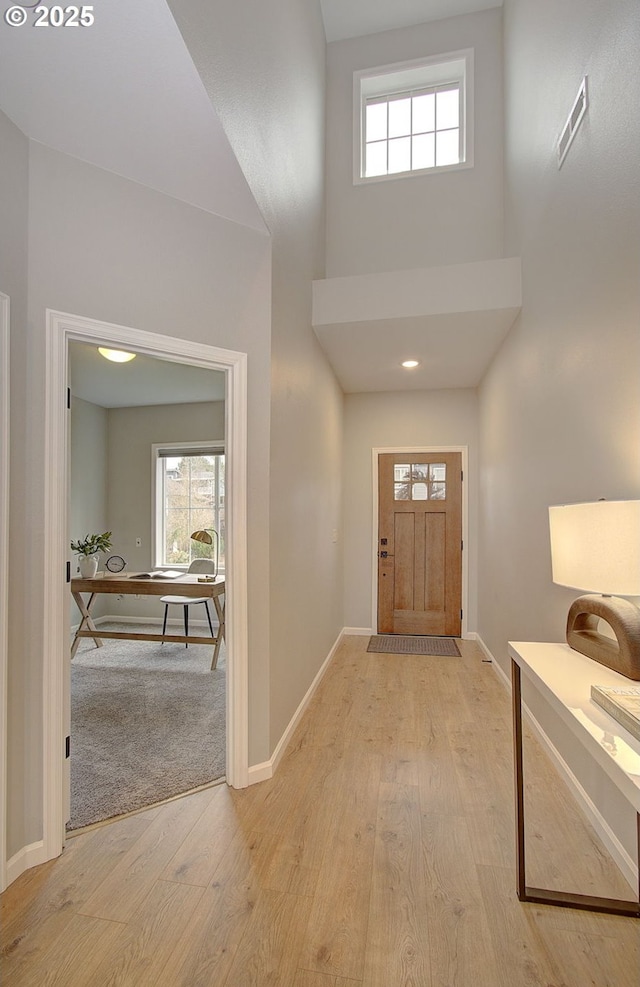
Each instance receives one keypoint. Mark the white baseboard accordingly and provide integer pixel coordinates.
(266, 769)
(590, 811)
(29, 856)
(360, 631)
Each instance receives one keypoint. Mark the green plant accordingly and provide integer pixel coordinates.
(91, 544)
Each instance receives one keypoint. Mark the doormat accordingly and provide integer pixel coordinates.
(397, 644)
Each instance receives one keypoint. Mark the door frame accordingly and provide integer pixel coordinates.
(410, 450)
(4, 575)
(62, 328)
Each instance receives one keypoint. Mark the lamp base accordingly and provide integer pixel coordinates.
(621, 654)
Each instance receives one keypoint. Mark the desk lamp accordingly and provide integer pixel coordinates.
(203, 535)
(596, 547)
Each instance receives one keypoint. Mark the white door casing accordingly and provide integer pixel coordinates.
(61, 328)
(4, 574)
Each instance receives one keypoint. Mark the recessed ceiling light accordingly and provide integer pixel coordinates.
(116, 356)
(410, 364)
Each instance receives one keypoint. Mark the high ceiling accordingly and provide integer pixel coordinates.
(353, 18)
(125, 96)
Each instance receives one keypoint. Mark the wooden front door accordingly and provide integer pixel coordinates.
(420, 543)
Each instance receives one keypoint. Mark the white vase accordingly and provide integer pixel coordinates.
(88, 565)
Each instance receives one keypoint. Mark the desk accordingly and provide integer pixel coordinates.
(186, 585)
(564, 678)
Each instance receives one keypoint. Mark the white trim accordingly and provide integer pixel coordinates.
(29, 856)
(358, 631)
(61, 328)
(589, 810)
(266, 769)
(4, 577)
(417, 73)
(464, 451)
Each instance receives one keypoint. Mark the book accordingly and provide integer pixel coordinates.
(622, 702)
(157, 574)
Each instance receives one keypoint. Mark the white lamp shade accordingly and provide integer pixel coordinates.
(596, 547)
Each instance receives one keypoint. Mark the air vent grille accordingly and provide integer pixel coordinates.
(570, 128)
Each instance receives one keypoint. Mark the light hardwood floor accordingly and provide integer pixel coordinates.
(381, 854)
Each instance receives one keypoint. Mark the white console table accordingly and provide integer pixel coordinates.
(564, 678)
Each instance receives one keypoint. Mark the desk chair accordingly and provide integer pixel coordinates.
(200, 566)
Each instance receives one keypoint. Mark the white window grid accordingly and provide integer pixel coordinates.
(422, 135)
(382, 85)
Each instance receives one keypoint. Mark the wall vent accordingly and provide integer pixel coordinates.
(574, 119)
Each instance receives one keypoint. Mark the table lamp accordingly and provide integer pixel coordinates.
(596, 547)
(204, 535)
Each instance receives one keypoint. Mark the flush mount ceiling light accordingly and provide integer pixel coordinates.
(116, 356)
(410, 364)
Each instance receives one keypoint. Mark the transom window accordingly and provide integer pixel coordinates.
(189, 496)
(412, 131)
(420, 481)
(413, 117)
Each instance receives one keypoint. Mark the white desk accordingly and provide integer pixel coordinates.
(564, 678)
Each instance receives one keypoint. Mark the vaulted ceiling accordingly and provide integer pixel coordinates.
(125, 95)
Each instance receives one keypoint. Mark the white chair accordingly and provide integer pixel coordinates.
(200, 566)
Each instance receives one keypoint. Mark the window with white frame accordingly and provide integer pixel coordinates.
(189, 496)
(413, 117)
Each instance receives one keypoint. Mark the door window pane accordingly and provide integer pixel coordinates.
(401, 491)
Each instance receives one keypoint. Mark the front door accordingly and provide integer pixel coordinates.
(420, 543)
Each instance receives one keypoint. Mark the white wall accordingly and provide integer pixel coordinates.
(88, 473)
(264, 67)
(560, 405)
(396, 420)
(14, 152)
(107, 248)
(87, 479)
(419, 221)
(132, 431)
(112, 480)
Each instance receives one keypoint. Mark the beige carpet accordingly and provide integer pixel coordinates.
(147, 723)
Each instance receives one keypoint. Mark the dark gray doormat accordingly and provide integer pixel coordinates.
(398, 644)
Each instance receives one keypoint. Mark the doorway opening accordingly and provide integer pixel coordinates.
(62, 329)
(147, 467)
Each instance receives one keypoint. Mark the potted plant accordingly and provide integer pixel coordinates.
(87, 551)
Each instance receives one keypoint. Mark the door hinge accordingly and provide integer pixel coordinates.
(68, 571)
(68, 397)
(67, 747)
(462, 545)
(461, 614)
(461, 475)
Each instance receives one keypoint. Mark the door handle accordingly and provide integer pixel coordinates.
(385, 555)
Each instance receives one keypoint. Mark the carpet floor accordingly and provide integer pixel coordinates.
(147, 723)
(400, 644)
